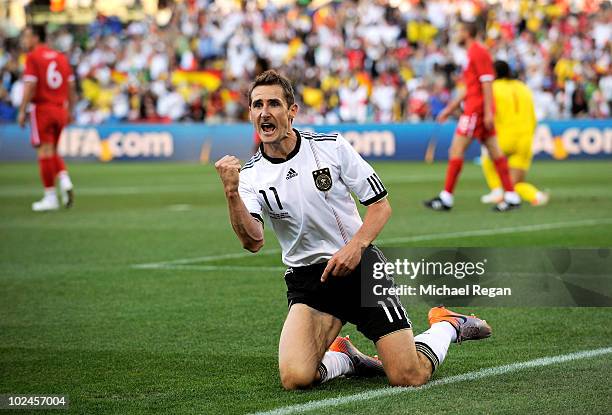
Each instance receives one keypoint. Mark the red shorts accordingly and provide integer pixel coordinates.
(47, 123)
(472, 125)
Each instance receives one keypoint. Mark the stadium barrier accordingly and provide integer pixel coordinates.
(560, 140)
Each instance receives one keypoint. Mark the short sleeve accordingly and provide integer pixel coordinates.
(483, 65)
(358, 175)
(250, 199)
(29, 73)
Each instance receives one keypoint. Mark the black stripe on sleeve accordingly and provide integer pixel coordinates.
(374, 199)
(258, 217)
(377, 179)
(374, 183)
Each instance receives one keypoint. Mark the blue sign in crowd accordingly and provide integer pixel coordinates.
(559, 140)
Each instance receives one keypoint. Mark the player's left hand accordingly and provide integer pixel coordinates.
(343, 262)
(488, 120)
(21, 119)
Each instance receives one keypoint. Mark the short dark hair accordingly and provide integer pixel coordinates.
(39, 31)
(502, 70)
(472, 28)
(271, 77)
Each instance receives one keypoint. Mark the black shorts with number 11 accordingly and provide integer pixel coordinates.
(349, 298)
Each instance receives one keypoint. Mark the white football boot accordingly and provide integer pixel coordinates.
(47, 203)
(496, 196)
(66, 189)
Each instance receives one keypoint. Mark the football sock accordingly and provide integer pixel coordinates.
(50, 192)
(59, 163)
(526, 191)
(490, 174)
(447, 198)
(62, 172)
(64, 179)
(434, 342)
(452, 173)
(501, 165)
(46, 166)
(335, 364)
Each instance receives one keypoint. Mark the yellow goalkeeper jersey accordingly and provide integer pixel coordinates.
(514, 108)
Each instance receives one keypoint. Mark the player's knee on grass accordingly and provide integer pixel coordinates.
(404, 374)
(415, 376)
(296, 376)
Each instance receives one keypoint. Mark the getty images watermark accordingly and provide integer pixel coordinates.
(424, 268)
(488, 276)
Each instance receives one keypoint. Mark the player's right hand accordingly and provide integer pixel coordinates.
(21, 119)
(228, 168)
(442, 116)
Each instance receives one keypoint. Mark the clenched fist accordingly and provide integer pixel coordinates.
(228, 168)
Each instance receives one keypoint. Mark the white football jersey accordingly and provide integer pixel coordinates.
(306, 198)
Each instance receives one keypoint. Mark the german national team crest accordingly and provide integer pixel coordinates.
(322, 179)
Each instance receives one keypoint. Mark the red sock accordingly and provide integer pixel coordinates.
(452, 173)
(47, 171)
(501, 165)
(59, 163)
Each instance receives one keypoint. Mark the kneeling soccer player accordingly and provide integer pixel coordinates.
(301, 182)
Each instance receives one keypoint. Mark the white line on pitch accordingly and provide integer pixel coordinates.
(12, 191)
(401, 239)
(478, 374)
(207, 258)
(497, 231)
(210, 267)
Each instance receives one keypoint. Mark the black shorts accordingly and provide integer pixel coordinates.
(342, 297)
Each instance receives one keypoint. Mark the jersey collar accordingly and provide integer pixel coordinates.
(275, 160)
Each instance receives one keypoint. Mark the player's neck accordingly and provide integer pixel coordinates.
(283, 147)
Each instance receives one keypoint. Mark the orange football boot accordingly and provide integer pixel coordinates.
(468, 327)
(365, 366)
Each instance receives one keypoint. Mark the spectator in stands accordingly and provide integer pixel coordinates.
(8, 113)
(579, 103)
(396, 52)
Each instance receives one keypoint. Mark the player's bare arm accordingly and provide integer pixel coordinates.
(487, 93)
(248, 229)
(451, 107)
(346, 259)
(28, 92)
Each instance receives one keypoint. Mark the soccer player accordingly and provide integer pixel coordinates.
(49, 92)
(477, 122)
(515, 123)
(301, 182)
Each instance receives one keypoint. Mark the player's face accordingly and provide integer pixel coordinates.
(27, 40)
(270, 114)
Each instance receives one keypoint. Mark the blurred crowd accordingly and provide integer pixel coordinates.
(353, 61)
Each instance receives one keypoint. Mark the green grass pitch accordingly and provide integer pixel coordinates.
(201, 337)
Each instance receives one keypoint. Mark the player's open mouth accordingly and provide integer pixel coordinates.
(268, 128)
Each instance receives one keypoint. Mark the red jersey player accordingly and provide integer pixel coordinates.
(476, 122)
(50, 93)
